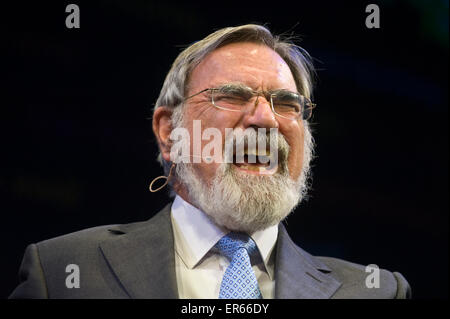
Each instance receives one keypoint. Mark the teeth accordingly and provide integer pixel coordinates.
(262, 170)
(255, 157)
(250, 167)
(257, 152)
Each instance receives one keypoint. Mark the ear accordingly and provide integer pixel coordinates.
(162, 127)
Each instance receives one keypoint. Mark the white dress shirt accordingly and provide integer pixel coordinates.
(200, 267)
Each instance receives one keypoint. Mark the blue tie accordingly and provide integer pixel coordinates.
(239, 281)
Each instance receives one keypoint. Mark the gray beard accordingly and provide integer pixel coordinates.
(243, 202)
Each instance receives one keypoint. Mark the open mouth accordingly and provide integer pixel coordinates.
(256, 162)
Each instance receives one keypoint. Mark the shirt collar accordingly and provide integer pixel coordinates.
(195, 234)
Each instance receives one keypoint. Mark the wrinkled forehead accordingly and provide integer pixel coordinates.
(255, 65)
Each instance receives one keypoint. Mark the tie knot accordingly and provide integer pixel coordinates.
(229, 244)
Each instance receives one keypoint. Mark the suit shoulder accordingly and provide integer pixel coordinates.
(45, 269)
(88, 235)
(82, 241)
(370, 281)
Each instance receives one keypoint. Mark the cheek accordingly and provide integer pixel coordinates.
(209, 119)
(295, 138)
(295, 160)
(206, 172)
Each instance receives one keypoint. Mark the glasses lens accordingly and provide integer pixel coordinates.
(288, 104)
(285, 103)
(230, 98)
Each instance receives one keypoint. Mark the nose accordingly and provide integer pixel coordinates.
(260, 115)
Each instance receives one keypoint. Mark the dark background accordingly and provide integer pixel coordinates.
(77, 148)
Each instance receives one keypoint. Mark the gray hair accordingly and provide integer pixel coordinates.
(176, 83)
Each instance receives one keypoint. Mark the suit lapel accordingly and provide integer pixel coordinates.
(142, 257)
(298, 275)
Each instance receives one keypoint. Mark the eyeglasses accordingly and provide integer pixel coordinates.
(237, 98)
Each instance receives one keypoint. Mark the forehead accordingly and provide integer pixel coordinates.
(254, 65)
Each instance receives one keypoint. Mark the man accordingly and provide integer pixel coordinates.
(222, 236)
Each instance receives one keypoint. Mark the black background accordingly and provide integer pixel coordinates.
(78, 150)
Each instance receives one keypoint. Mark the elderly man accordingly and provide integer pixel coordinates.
(222, 236)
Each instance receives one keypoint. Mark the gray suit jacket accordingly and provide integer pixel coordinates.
(137, 261)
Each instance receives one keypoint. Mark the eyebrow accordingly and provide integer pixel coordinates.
(242, 86)
(234, 85)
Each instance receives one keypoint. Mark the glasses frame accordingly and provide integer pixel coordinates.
(264, 94)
